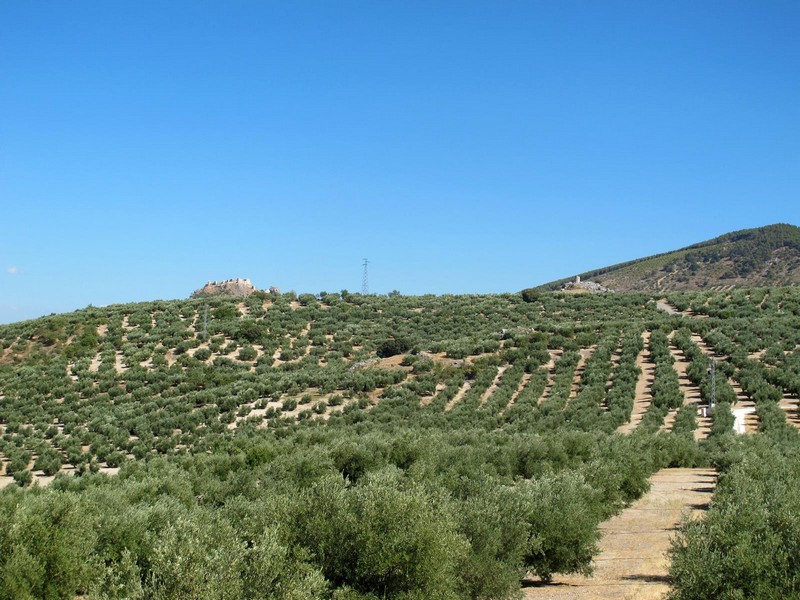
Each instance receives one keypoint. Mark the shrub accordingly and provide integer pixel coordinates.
(392, 347)
(23, 478)
(560, 544)
(381, 539)
(46, 554)
(748, 543)
(248, 353)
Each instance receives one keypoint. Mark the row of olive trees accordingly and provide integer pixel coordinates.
(748, 543)
(394, 513)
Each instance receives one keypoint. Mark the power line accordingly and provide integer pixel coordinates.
(365, 280)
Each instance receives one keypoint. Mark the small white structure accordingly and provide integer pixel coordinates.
(739, 415)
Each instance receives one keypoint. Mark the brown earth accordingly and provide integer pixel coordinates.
(643, 396)
(691, 393)
(493, 387)
(577, 378)
(526, 377)
(555, 356)
(459, 395)
(632, 564)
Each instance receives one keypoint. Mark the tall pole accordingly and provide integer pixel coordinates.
(713, 372)
(365, 280)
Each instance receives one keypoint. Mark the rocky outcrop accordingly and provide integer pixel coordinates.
(229, 287)
(589, 286)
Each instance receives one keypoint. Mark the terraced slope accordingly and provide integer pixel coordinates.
(436, 432)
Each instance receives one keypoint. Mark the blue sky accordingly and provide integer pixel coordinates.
(147, 147)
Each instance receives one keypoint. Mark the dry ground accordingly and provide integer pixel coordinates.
(632, 563)
(643, 387)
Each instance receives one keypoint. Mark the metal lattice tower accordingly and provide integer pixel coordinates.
(365, 280)
(713, 373)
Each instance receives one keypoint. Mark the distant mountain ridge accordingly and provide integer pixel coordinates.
(760, 257)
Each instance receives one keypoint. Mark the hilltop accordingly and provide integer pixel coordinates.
(761, 257)
(229, 287)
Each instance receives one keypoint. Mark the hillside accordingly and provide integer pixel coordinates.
(349, 447)
(762, 257)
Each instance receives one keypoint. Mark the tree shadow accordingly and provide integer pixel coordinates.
(540, 583)
(649, 578)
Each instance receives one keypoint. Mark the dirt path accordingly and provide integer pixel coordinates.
(459, 395)
(764, 299)
(668, 308)
(119, 362)
(94, 365)
(555, 356)
(744, 410)
(426, 400)
(691, 393)
(495, 384)
(669, 420)
(643, 387)
(706, 348)
(632, 563)
(526, 377)
(577, 378)
(671, 309)
(789, 405)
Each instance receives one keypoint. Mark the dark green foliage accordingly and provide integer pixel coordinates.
(392, 347)
(49, 461)
(722, 419)
(381, 539)
(47, 552)
(748, 544)
(685, 420)
(381, 485)
(563, 545)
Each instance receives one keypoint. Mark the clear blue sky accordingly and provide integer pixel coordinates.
(147, 147)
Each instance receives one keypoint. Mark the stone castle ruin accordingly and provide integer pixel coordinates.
(586, 286)
(229, 287)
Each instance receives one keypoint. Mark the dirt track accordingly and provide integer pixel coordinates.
(644, 384)
(632, 563)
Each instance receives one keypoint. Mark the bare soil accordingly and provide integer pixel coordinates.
(789, 404)
(632, 563)
(746, 421)
(526, 377)
(664, 305)
(459, 395)
(691, 393)
(555, 355)
(643, 387)
(586, 354)
(495, 384)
